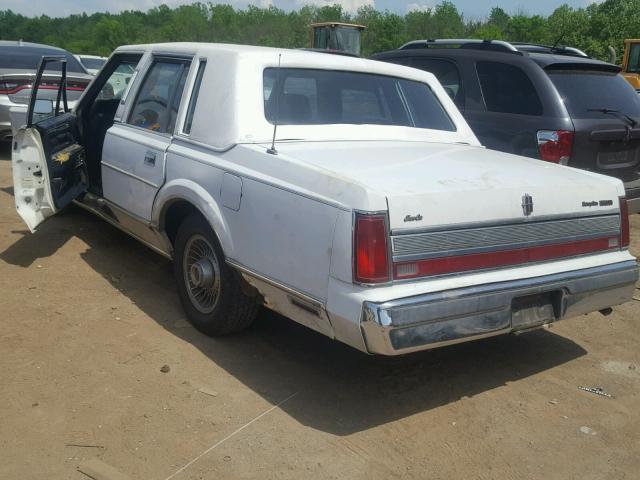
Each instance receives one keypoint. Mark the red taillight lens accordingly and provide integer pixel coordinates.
(555, 145)
(371, 263)
(624, 223)
(11, 86)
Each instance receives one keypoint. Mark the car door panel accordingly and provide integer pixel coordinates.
(48, 162)
(134, 151)
(133, 168)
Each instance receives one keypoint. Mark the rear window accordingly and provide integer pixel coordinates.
(93, 63)
(324, 97)
(584, 92)
(507, 89)
(21, 58)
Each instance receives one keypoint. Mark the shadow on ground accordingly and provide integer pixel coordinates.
(342, 391)
(5, 151)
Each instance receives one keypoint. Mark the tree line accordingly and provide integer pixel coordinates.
(592, 28)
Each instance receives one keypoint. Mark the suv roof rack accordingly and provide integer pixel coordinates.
(499, 45)
(474, 42)
(541, 48)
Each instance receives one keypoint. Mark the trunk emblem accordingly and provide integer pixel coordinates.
(527, 204)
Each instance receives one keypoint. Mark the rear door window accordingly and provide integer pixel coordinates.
(587, 93)
(507, 89)
(447, 73)
(158, 99)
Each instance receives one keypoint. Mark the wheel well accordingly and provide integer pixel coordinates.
(176, 213)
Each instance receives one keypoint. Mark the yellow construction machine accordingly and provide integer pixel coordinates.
(630, 61)
(336, 37)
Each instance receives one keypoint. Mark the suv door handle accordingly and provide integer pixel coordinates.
(150, 158)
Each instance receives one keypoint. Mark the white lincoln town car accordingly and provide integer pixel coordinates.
(346, 194)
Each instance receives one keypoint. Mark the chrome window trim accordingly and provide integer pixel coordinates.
(154, 58)
(166, 135)
(194, 88)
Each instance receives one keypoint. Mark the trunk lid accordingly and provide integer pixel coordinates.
(17, 85)
(429, 185)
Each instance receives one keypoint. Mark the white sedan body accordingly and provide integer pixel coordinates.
(285, 220)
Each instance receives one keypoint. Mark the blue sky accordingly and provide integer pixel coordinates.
(470, 8)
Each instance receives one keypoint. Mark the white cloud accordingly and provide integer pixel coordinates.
(348, 5)
(418, 7)
(264, 3)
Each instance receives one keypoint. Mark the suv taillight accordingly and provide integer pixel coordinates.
(370, 249)
(555, 145)
(624, 223)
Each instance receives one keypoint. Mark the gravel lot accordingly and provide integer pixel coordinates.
(89, 317)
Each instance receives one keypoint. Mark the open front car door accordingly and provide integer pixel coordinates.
(48, 163)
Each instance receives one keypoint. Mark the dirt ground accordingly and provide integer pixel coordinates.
(88, 317)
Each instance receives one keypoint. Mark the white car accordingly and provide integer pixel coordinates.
(91, 63)
(349, 195)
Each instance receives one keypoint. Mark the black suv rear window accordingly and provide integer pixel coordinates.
(507, 89)
(586, 91)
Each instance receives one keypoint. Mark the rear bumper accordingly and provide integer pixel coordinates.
(632, 190)
(436, 319)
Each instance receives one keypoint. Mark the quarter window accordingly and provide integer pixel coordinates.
(158, 100)
(194, 98)
(507, 89)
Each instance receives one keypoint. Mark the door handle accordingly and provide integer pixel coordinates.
(150, 158)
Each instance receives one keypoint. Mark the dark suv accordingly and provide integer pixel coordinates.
(552, 103)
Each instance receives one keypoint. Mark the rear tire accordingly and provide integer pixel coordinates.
(210, 291)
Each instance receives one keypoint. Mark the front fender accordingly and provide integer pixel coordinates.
(187, 190)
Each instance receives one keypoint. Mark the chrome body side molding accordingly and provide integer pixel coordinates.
(138, 228)
(288, 301)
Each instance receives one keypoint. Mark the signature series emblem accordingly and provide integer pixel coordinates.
(527, 204)
(594, 203)
(413, 218)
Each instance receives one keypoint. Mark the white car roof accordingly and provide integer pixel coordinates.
(230, 106)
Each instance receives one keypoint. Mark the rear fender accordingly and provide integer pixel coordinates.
(187, 190)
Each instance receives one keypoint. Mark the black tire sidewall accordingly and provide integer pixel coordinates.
(207, 323)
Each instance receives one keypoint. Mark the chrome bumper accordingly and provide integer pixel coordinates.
(632, 190)
(459, 315)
